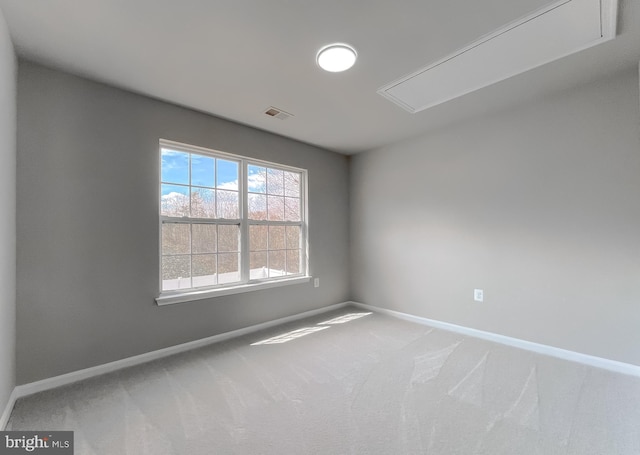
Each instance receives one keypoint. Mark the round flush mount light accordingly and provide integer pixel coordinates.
(336, 57)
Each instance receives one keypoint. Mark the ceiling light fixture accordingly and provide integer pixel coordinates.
(336, 57)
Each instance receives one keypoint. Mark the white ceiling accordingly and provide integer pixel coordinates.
(234, 58)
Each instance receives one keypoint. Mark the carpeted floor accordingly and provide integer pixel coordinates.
(369, 385)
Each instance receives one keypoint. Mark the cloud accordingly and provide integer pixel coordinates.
(174, 201)
(174, 196)
(256, 183)
(169, 152)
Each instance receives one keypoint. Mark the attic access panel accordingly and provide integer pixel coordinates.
(558, 30)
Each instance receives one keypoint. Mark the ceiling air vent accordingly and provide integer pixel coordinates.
(277, 113)
(558, 30)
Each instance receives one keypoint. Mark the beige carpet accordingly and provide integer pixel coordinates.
(369, 385)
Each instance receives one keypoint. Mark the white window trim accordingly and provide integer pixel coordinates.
(168, 298)
(246, 284)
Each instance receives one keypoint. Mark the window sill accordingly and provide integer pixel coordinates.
(180, 297)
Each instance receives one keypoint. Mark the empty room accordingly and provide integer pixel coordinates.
(331, 227)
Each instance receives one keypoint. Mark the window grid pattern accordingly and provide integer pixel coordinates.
(274, 222)
(209, 202)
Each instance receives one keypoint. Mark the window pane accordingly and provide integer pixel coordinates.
(227, 175)
(203, 170)
(293, 262)
(228, 237)
(275, 210)
(228, 270)
(203, 203)
(292, 184)
(228, 205)
(204, 238)
(175, 166)
(258, 266)
(275, 182)
(257, 179)
(291, 209)
(176, 272)
(276, 263)
(276, 238)
(176, 238)
(258, 238)
(204, 270)
(174, 200)
(293, 237)
(257, 206)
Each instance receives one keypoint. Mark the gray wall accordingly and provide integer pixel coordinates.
(88, 170)
(8, 218)
(539, 206)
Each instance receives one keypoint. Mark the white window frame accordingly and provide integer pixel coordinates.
(245, 284)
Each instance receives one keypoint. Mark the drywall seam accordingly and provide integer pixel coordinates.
(572, 356)
(75, 376)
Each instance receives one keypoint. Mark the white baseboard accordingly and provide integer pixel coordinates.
(69, 378)
(4, 418)
(598, 362)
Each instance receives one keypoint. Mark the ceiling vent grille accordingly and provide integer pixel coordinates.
(277, 113)
(560, 29)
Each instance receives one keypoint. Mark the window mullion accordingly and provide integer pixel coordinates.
(190, 249)
(190, 208)
(244, 225)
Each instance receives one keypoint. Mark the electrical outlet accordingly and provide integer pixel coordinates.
(478, 295)
(316, 282)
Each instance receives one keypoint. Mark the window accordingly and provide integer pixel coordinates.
(228, 221)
